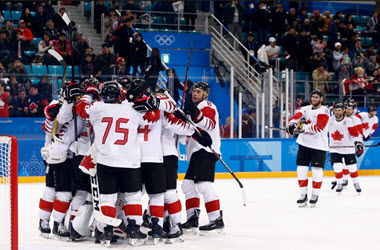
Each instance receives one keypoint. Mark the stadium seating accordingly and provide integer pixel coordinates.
(28, 69)
(16, 15)
(7, 15)
(39, 69)
(55, 69)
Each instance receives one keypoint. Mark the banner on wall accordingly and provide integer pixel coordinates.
(177, 40)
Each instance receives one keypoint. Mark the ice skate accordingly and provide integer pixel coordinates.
(74, 235)
(357, 188)
(97, 235)
(146, 220)
(166, 227)
(302, 201)
(313, 201)
(134, 235)
(175, 234)
(60, 232)
(193, 222)
(339, 189)
(156, 232)
(216, 225)
(106, 237)
(44, 228)
(345, 183)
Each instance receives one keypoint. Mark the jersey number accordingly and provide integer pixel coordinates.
(144, 131)
(118, 129)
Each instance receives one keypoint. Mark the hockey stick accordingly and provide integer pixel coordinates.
(213, 150)
(366, 146)
(273, 128)
(187, 74)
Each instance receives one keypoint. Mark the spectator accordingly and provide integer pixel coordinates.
(291, 17)
(20, 104)
(344, 68)
(116, 6)
(357, 83)
(131, 5)
(3, 70)
(62, 46)
(5, 46)
(302, 15)
(261, 17)
(373, 22)
(332, 33)
(14, 86)
(349, 20)
(174, 84)
(234, 14)
(246, 128)
(328, 55)
(304, 49)
(306, 26)
(317, 24)
(337, 56)
(36, 103)
(99, 9)
(109, 21)
(43, 46)
(48, 9)
(277, 21)
(26, 36)
(190, 14)
(28, 18)
(51, 30)
(27, 85)
(252, 47)
(139, 50)
(370, 52)
(45, 88)
(18, 68)
(326, 21)
(153, 68)
(125, 35)
(372, 66)
(316, 60)
(1, 17)
(290, 47)
(273, 51)
(227, 129)
(86, 67)
(58, 21)
(360, 61)
(4, 101)
(321, 78)
(120, 68)
(90, 51)
(316, 44)
(10, 29)
(40, 20)
(80, 45)
(252, 124)
(105, 61)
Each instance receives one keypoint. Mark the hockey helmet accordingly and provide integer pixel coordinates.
(339, 105)
(317, 92)
(138, 87)
(371, 108)
(91, 82)
(124, 81)
(110, 92)
(201, 85)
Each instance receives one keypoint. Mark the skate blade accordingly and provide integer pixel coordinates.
(313, 205)
(302, 204)
(219, 231)
(45, 235)
(156, 240)
(193, 230)
(339, 193)
(137, 242)
(106, 243)
(175, 240)
(61, 238)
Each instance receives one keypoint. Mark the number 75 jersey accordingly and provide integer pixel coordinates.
(115, 128)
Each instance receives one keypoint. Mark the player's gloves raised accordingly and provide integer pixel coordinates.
(359, 148)
(179, 115)
(205, 140)
(146, 103)
(366, 138)
(290, 129)
(73, 91)
(51, 111)
(194, 112)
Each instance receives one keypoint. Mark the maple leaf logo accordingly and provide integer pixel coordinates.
(33, 105)
(337, 136)
(87, 162)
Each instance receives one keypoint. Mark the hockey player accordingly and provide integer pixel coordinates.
(370, 122)
(310, 123)
(201, 171)
(345, 136)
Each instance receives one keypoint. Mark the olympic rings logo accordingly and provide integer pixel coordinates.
(167, 40)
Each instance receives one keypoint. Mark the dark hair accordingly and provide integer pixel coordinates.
(105, 45)
(140, 35)
(62, 9)
(156, 50)
(90, 48)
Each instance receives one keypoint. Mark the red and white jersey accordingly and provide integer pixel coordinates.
(115, 127)
(48, 125)
(315, 135)
(343, 133)
(166, 105)
(369, 123)
(359, 126)
(149, 137)
(171, 126)
(210, 123)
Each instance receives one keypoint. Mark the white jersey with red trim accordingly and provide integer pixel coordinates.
(209, 123)
(343, 133)
(115, 127)
(359, 126)
(48, 124)
(369, 123)
(171, 125)
(315, 135)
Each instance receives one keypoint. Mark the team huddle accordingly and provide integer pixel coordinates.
(342, 135)
(108, 144)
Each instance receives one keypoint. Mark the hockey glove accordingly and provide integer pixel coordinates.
(146, 103)
(73, 91)
(51, 111)
(366, 138)
(205, 140)
(359, 148)
(290, 129)
(299, 129)
(179, 115)
(194, 112)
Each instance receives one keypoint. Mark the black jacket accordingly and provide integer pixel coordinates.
(86, 68)
(103, 63)
(125, 36)
(153, 67)
(45, 89)
(261, 18)
(37, 102)
(290, 44)
(229, 12)
(139, 56)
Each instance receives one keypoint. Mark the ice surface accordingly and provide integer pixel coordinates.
(271, 219)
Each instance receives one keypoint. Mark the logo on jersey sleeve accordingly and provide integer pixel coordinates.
(337, 136)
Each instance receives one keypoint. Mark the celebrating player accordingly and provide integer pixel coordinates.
(310, 123)
(370, 122)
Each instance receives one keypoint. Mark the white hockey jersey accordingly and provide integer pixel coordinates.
(209, 123)
(115, 128)
(369, 124)
(315, 135)
(343, 133)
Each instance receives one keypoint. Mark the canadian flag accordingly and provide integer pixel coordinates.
(88, 164)
(355, 83)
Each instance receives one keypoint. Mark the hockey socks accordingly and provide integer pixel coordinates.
(192, 197)
(338, 169)
(302, 179)
(156, 207)
(211, 199)
(317, 180)
(46, 203)
(133, 207)
(61, 205)
(173, 206)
